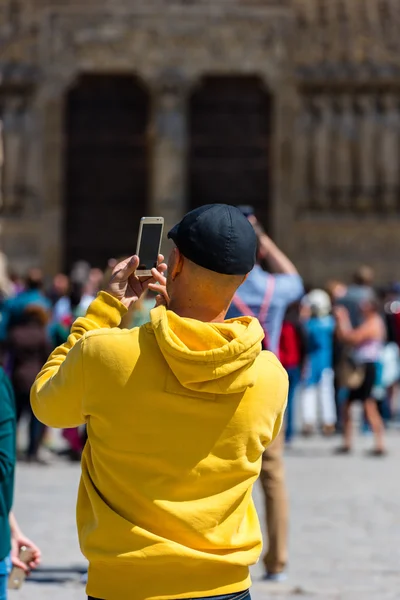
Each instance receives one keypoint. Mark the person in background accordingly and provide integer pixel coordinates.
(267, 295)
(337, 290)
(139, 312)
(59, 288)
(292, 354)
(179, 412)
(6, 286)
(11, 537)
(356, 293)
(28, 346)
(367, 341)
(272, 290)
(391, 371)
(318, 387)
(391, 305)
(14, 308)
(66, 311)
(94, 283)
(17, 282)
(85, 284)
(76, 302)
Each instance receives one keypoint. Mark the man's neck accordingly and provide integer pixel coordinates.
(200, 313)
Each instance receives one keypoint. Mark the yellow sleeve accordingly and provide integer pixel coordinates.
(277, 384)
(282, 395)
(57, 396)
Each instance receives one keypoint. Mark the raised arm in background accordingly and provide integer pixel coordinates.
(277, 260)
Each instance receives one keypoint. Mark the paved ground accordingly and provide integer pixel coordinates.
(345, 526)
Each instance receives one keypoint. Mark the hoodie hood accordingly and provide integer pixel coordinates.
(216, 358)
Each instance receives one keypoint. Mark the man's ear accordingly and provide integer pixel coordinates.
(178, 264)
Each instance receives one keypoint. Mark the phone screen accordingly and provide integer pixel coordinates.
(149, 246)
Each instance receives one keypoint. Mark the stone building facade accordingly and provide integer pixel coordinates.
(115, 109)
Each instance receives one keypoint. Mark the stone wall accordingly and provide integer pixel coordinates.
(170, 46)
(325, 250)
(335, 88)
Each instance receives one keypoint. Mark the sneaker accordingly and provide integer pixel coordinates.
(276, 577)
(377, 453)
(328, 430)
(342, 450)
(307, 431)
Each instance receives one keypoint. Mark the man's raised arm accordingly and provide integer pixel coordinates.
(58, 392)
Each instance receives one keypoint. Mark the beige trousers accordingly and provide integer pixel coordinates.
(276, 500)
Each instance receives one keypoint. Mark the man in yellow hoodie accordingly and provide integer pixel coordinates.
(178, 414)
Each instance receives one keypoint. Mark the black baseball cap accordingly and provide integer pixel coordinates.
(217, 237)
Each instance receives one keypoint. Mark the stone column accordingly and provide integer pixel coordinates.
(388, 154)
(169, 150)
(20, 235)
(322, 152)
(303, 154)
(283, 185)
(367, 133)
(52, 137)
(344, 132)
(1, 165)
(14, 150)
(33, 162)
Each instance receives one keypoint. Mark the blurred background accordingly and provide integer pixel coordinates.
(113, 110)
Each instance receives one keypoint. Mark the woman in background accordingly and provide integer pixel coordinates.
(366, 343)
(29, 346)
(318, 389)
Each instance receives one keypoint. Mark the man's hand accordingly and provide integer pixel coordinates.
(18, 541)
(124, 284)
(159, 286)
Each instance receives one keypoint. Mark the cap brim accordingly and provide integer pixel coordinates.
(173, 234)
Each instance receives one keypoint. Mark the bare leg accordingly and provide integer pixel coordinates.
(347, 425)
(376, 422)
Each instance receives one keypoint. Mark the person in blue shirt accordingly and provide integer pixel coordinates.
(319, 326)
(11, 537)
(267, 295)
(14, 308)
(276, 290)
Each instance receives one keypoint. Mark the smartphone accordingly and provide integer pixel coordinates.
(17, 575)
(149, 243)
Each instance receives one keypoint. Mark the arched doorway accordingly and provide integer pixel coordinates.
(229, 138)
(106, 184)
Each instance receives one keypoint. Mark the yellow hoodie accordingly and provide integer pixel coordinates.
(178, 414)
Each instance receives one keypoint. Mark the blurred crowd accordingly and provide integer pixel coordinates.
(341, 344)
(338, 344)
(35, 319)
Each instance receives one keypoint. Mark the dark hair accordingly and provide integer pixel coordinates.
(35, 313)
(34, 279)
(372, 300)
(364, 276)
(75, 294)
